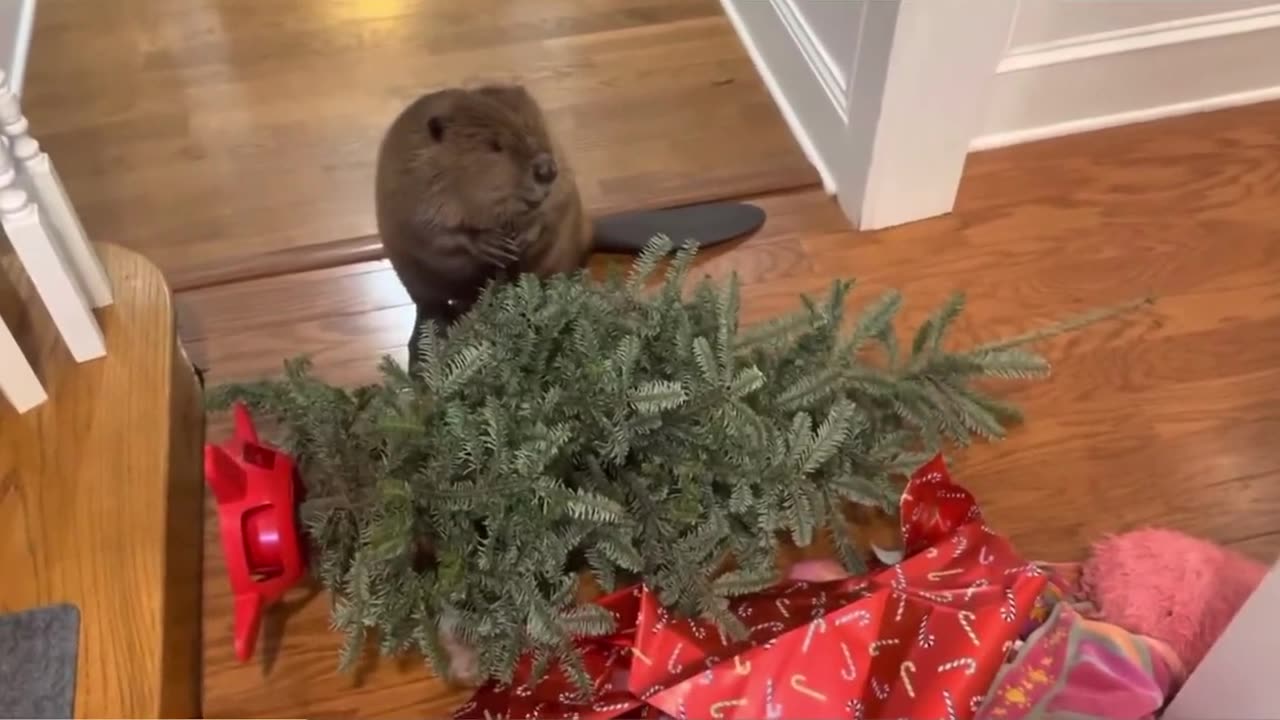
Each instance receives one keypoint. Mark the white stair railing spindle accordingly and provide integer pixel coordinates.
(18, 381)
(50, 274)
(49, 194)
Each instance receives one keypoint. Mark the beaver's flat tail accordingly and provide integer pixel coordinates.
(703, 225)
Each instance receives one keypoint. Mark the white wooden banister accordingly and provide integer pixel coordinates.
(41, 178)
(18, 381)
(50, 274)
(55, 252)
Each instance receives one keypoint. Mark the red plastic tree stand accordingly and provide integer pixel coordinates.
(256, 491)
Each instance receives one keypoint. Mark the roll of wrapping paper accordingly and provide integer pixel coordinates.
(921, 639)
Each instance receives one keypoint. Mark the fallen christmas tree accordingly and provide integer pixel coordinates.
(566, 424)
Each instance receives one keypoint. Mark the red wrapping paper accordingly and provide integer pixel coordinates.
(921, 639)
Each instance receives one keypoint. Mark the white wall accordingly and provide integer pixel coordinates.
(1074, 66)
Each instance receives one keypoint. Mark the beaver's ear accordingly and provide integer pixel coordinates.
(435, 126)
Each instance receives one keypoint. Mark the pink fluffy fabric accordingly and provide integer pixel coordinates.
(1171, 587)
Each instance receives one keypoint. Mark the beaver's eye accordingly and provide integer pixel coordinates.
(495, 145)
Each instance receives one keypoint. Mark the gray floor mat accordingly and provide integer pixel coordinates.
(38, 650)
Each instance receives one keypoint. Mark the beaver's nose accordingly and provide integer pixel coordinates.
(544, 169)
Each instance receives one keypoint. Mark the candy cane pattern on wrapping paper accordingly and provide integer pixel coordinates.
(1009, 611)
(880, 689)
(874, 648)
(966, 619)
(604, 678)
(641, 656)
(772, 710)
(718, 709)
(675, 654)
(975, 703)
(850, 671)
(523, 691)
(931, 552)
(782, 607)
(817, 625)
(862, 616)
(985, 557)
(775, 626)
(798, 684)
(979, 583)
(923, 638)
(902, 605)
(856, 711)
(610, 707)
(968, 664)
(740, 667)
(962, 544)
(663, 620)
(935, 597)
(905, 671)
(951, 707)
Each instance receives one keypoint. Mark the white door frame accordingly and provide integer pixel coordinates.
(889, 126)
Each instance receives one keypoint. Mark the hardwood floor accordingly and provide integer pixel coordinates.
(1166, 417)
(234, 138)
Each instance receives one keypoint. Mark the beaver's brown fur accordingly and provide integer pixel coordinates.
(472, 187)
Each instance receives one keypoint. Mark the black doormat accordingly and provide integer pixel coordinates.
(38, 651)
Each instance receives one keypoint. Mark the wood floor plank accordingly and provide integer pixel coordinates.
(1165, 417)
(238, 137)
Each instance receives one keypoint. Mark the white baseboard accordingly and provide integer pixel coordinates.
(1134, 75)
(798, 75)
(1130, 117)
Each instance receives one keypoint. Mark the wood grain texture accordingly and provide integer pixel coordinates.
(1165, 417)
(227, 138)
(101, 495)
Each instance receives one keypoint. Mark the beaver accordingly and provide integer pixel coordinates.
(471, 188)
